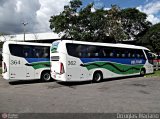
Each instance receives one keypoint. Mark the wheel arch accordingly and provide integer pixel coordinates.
(47, 70)
(143, 69)
(97, 71)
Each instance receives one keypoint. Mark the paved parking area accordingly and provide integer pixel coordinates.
(134, 94)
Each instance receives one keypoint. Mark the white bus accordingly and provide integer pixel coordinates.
(24, 60)
(80, 61)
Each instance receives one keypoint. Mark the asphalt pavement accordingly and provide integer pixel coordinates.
(118, 95)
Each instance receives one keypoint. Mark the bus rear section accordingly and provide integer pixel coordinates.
(57, 58)
(65, 67)
(58, 67)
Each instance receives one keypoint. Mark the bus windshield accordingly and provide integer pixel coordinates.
(54, 47)
(150, 56)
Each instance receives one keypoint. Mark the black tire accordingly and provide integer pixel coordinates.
(142, 72)
(97, 76)
(45, 76)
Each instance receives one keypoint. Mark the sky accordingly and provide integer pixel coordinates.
(36, 13)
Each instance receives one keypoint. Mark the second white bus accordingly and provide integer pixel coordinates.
(81, 61)
(25, 60)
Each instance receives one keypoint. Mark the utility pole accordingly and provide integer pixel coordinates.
(24, 24)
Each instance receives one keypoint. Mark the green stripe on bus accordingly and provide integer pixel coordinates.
(38, 65)
(115, 67)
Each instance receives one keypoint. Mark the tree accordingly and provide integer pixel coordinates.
(134, 22)
(65, 22)
(126, 24)
(80, 23)
(113, 24)
(102, 25)
(151, 38)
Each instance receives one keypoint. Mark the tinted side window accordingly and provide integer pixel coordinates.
(123, 53)
(81, 50)
(85, 51)
(113, 52)
(95, 51)
(41, 52)
(29, 51)
(72, 49)
(16, 50)
(140, 54)
(109, 52)
(46, 52)
(92, 51)
(131, 53)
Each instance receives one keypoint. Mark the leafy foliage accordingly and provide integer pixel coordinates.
(151, 38)
(89, 24)
(134, 22)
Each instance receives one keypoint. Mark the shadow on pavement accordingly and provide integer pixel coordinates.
(70, 84)
(21, 82)
(90, 82)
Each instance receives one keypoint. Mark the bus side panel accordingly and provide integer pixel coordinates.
(30, 72)
(75, 70)
(114, 67)
(17, 67)
(38, 72)
(35, 66)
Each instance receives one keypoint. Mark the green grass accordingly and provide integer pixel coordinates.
(155, 74)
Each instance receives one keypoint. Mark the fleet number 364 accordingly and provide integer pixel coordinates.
(15, 62)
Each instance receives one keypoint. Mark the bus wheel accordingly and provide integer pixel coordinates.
(97, 76)
(45, 76)
(142, 72)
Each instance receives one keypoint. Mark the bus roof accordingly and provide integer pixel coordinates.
(120, 45)
(27, 43)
